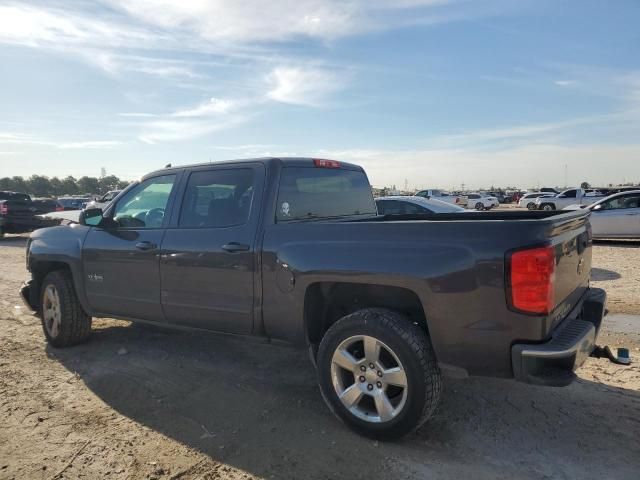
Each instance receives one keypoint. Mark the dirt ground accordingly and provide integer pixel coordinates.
(137, 403)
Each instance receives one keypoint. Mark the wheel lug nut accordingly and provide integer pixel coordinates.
(369, 387)
(363, 368)
(371, 365)
(379, 384)
(379, 373)
(361, 379)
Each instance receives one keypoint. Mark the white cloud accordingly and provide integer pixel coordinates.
(302, 86)
(274, 20)
(92, 144)
(565, 83)
(177, 130)
(214, 106)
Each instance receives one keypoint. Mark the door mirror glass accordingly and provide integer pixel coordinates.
(596, 208)
(91, 217)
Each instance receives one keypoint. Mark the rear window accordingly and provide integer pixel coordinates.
(308, 193)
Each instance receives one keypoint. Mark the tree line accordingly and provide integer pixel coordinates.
(41, 186)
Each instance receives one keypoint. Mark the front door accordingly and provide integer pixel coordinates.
(617, 217)
(208, 259)
(121, 257)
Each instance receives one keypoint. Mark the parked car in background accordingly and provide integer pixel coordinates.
(549, 190)
(528, 200)
(19, 214)
(616, 216)
(481, 201)
(571, 196)
(103, 201)
(405, 205)
(443, 196)
(47, 205)
(73, 203)
(500, 196)
(293, 249)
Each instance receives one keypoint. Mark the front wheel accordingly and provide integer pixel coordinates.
(64, 322)
(479, 206)
(548, 207)
(531, 206)
(377, 373)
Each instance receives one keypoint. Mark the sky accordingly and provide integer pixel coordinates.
(431, 93)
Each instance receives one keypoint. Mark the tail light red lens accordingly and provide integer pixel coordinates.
(321, 163)
(4, 209)
(59, 208)
(533, 277)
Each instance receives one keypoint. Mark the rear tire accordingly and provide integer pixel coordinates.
(531, 206)
(548, 207)
(479, 206)
(399, 393)
(64, 322)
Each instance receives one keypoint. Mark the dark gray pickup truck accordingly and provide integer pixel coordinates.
(293, 249)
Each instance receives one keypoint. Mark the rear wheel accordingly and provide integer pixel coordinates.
(479, 206)
(548, 207)
(64, 322)
(378, 374)
(531, 206)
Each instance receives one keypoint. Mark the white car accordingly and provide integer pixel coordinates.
(528, 200)
(616, 216)
(406, 205)
(460, 200)
(104, 200)
(481, 202)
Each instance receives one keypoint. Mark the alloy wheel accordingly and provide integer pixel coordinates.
(369, 379)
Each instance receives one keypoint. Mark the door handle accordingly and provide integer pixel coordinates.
(235, 247)
(146, 246)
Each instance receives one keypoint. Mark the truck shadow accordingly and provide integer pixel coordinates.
(602, 274)
(256, 407)
(19, 241)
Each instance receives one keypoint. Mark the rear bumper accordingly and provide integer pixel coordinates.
(554, 362)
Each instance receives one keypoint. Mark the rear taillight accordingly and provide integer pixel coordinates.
(4, 209)
(59, 208)
(321, 163)
(532, 278)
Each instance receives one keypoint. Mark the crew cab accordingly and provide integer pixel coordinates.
(293, 249)
(20, 214)
(572, 196)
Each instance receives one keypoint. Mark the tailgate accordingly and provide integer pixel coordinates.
(572, 240)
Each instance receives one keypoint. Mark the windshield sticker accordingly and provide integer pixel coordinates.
(285, 209)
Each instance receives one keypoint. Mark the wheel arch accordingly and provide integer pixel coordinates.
(327, 302)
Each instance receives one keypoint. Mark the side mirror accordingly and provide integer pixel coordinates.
(91, 217)
(596, 208)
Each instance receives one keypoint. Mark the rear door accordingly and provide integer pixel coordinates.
(208, 260)
(121, 259)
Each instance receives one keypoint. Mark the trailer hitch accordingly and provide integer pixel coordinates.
(622, 358)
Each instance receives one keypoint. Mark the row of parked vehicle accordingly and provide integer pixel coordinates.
(19, 213)
(476, 201)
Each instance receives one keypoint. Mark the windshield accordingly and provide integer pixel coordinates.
(316, 193)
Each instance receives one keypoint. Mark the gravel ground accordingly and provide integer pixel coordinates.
(151, 404)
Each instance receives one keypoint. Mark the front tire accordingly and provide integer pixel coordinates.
(479, 206)
(548, 207)
(531, 206)
(64, 322)
(378, 373)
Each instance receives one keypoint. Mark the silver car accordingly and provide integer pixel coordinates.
(406, 205)
(616, 216)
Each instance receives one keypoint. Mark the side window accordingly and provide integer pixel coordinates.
(217, 198)
(623, 202)
(144, 205)
(571, 194)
